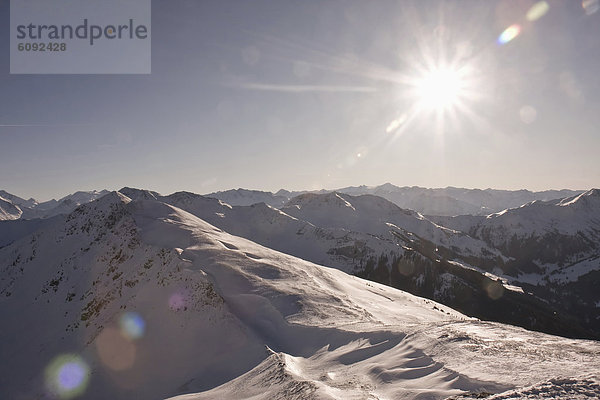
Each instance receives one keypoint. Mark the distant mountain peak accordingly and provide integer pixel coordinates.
(332, 198)
(112, 198)
(593, 192)
(283, 192)
(136, 194)
(387, 186)
(184, 195)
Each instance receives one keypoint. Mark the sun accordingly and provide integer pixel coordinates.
(440, 95)
(439, 89)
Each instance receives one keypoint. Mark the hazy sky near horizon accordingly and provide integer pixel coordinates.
(318, 94)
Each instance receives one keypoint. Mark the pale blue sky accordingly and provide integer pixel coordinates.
(298, 95)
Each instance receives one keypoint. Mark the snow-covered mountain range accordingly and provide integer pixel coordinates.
(31, 209)
(370, 237)
(493, 267)
(456, 201)
(448, 201)
(130, 296)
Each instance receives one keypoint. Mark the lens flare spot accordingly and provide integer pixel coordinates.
(406, 268)
(177, 302)
(395, 124)
(67, 376)
(537, 11)
(494, 289)
(528, 114)
(132, 325)
(590, 6)
(115, 351)
(509, 34)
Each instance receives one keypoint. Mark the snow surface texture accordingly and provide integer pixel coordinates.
(230, 319)
(559, 388)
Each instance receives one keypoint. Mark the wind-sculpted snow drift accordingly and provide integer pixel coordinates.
(126, 299)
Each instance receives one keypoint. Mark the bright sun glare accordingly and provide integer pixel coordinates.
(439, 89)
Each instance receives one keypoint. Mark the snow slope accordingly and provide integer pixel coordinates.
(67, 288)
(157, 302)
